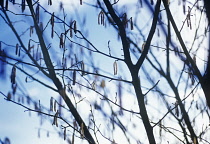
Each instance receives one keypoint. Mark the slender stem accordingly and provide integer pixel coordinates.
(122, 33)
(189, 60)
(150, 36)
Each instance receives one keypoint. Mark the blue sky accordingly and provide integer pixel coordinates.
(16, 124)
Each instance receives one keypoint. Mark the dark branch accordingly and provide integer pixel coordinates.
(150, 36)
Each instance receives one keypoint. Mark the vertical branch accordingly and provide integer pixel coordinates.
(45, 52)
(189, 61)
(206, 85)
(207, 7)
(142, 108)
(121, 27)
(55, 80)
(134, 69)
(191, 64)
(205, 81)
(168, 39)
(150, 36)
(184, 113)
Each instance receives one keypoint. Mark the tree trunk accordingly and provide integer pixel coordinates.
(142, 108)
(206, 79)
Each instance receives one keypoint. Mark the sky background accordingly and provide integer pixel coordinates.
(15, 122)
